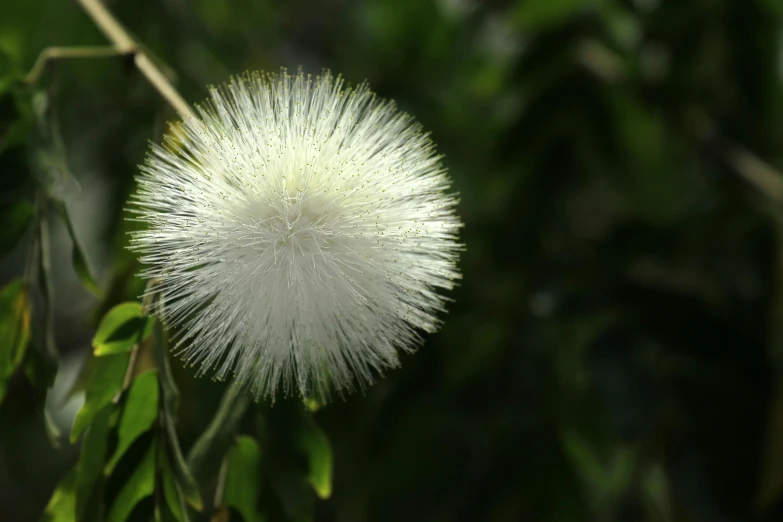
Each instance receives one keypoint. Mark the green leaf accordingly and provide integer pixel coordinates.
(139, 486)
(170, 397)
(15, 218)
(174, 497)
(138, 414)
(80, 265)
(62, 505)
(243, 482)
(206, 454)
(105, 382)
(53, 433)
(14, 329)
(121, 328)
(90, 465)
(316, 446)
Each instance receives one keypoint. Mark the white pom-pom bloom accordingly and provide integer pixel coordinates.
(300, 232)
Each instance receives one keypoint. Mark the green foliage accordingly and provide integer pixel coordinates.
(138, 414)
(140, 485)
(62, 505)
(315, 445)
(121, 328)
(105, 382)
(89, 469)
(175, 501)
(243, 479)
(80, 265)
(14, 329)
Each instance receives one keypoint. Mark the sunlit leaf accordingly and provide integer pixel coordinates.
(138, 414)
(14, 329)
(140, 485)
(62, 504)
(121, 328)
(104, 383)
(243, 481)
(316, 447)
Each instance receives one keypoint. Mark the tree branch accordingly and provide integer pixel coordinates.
(124, 44)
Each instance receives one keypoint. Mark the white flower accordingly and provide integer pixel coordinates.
(301, 232)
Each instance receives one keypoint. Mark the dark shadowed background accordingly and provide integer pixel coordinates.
(614, 351)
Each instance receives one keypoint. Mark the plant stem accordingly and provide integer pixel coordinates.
(208, 450)
(59, 53)
(124, 44)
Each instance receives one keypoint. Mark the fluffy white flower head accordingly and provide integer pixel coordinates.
(300, 231)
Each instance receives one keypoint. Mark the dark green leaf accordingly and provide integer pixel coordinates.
(170, 396)
(243, 481)
(139, 486)
(207, 452)
(138, 414)
(122, 327)
(53, 433)
(316, 447)
(171, 491)
(16, 219)
(90, 466)
(62, 504)
(14, 329)
(80, 265)
(105, 382)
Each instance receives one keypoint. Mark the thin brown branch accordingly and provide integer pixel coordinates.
(124, 44)
(63, 53)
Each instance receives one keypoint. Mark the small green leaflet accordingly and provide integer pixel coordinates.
(14, 329)
(316, 447)
(122, 327)
(62, 505)
(139, 486)
(138, 414)
(90, 465)
(174, 497)
(104, 383)
(243, 481)
(80, 265)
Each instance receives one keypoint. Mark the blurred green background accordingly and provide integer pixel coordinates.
(615, 349)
